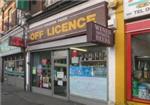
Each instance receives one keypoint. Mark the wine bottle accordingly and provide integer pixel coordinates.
(97, 55)
(145, 71)
(90, 56)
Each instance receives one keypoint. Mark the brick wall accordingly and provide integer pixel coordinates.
(1, 5)
(35, 6)
(8, 16)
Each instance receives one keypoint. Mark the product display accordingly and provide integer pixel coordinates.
(141, 78)
(41, 71)
(96, 60)
(99, 55)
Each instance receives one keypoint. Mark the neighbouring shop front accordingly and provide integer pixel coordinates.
(138, 51)
(70, 56)
(13, 69)
(12, 60)
(138, 61)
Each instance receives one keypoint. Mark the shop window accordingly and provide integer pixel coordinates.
(13, 65)
(41, 70)
(141, 66)
(88, 72)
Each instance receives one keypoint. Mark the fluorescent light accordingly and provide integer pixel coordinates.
(79, 49)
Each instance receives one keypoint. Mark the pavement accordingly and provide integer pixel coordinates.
(11, 95)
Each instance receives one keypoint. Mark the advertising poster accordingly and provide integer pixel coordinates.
(136, 8)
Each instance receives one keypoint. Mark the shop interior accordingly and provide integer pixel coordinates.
(141, 66)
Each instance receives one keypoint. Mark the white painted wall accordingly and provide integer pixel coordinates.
(27, 71)
(111, 75)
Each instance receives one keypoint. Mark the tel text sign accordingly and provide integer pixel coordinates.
(136, 8)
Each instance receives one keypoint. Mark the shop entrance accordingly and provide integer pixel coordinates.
(60, 70)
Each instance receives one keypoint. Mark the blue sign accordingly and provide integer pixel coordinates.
(83, 71)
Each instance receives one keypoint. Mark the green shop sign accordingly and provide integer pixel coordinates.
(22, 4)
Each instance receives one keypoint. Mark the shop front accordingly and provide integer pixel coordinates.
(13, 69)
(138, 51)
(70, 56)
(78, 71)
(138, 61)
(12, 60)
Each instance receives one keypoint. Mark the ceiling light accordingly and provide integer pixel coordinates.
(78, 49)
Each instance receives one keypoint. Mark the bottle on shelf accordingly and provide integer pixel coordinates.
(97, 55)
(139, 66)
(82, 57)
(138, 72)
(100, 55)
(86, 57)
(90, 56)
(41, 81)
(145, 71)
(104, 55)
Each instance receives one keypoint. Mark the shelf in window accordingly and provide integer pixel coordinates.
(142, 80)
(94, 61)
(143, 57)
(14, 73)
(45, 68)
(60, 65)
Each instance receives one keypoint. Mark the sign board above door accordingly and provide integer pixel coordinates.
(71, 25)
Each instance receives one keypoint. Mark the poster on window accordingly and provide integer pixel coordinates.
(83, 83)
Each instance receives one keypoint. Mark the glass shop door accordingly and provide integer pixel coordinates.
(60, 73)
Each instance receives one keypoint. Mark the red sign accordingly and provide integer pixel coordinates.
(74, 53)
(16, 41)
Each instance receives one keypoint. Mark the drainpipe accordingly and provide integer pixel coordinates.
(24, 26)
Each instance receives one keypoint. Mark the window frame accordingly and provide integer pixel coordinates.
(132, 30)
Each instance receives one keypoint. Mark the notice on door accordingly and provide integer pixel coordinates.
(60, 82)
(60, 74)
